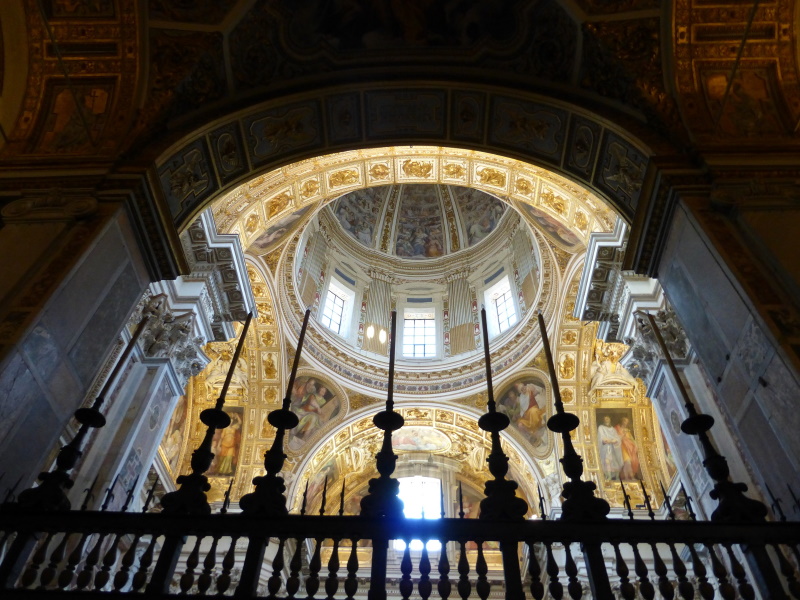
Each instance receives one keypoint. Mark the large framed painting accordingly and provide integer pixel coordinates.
(617, 447)
(226, 445)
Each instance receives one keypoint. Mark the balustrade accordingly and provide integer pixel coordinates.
(265, 552)
(317, 556)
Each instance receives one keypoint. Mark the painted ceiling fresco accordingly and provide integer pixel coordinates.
(425, 220)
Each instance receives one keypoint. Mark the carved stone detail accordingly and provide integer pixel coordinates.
(54, 206)
(217, 260)
(644, 354)
(169, 335)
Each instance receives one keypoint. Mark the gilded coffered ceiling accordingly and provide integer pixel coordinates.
(682, 67)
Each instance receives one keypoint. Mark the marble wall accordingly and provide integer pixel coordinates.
(751, 385)
(50, 370)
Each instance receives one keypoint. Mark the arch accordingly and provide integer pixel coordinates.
(556, 135)
(351, 443)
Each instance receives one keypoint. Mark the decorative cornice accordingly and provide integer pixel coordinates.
(218, 261)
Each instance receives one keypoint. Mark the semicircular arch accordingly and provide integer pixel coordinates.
(568, 140)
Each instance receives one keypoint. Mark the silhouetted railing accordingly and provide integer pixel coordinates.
(265, 552)
(85, 553)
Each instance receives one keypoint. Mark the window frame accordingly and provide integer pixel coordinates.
(430, 328)
(490, 295)
(347, 295)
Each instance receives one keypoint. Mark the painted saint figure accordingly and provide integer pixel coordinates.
(630, 469)
(610, 449)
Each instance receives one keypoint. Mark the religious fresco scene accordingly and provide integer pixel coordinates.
(345, 238)
(315, 404)
(526, 405)
(599, 171)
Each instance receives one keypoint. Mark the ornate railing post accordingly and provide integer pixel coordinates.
(580, 503)
(734, 506)
(190, 498)
(381, 501)
(268, 498)
(501, 502)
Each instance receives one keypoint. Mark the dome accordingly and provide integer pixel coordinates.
(423, 221)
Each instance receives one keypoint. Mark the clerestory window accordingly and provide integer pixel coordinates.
(419, 334)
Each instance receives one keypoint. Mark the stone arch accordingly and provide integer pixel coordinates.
(562, 137)
(352, 444)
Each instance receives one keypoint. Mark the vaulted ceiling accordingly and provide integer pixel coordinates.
(690, 76)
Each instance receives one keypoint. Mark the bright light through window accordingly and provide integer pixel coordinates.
(336, 311)
(332, 314)
(506, 313)
(500, 307)
(419, 334)
(422, 498)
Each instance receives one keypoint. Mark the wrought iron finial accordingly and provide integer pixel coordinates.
(10, 492)
(51, 493)
(733, 505)
(460, 501)
(649, 506)
(226, 502)
(692, 516)
(580, 503)
(129, 496)
(776, 504)
(190, 498)
(626, 500)
(305, 499)
(324, 497)
(149, 498)
(341, 498)
(667, 501)
(382, 500)
(542, 514)
(89, 491)
(109, 494)
(501, 501)
(794, 498)
(268, 498)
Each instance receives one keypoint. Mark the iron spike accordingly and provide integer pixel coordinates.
(341, 499)
(10, 493)
(627, 500)
(796, 501)
(89, 493)
(324, 496)
(227, 501)
(650, 512)
(149, 497)
(542, 514)
(129, 497)
(109, 494)
(667, 501)
(776, 504)
(460, 501)
(305, 499)
(692, 516)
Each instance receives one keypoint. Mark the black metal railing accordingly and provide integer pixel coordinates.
(263, 551)
(85, 553)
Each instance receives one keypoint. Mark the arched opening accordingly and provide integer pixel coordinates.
(335, 222)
